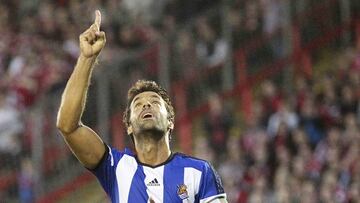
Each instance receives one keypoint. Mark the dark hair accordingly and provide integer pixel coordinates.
(144, 86)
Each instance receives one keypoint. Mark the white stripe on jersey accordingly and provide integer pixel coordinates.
(112, 157)
(127, 165)
(155, 191)
(192, 179)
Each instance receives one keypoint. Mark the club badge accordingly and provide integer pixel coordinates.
(182, 191)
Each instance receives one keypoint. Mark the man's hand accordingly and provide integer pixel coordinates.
(92, 40)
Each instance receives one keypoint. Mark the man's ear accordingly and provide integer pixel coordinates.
(171, 125)
(129, 130)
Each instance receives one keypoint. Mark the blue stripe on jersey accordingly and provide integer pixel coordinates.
(212, 182)
(217, 180)
(138, 187)
(106, 173)
(189, 161)
(173, 175)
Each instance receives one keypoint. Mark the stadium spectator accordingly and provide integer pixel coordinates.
(26, 181)
(211, 49)
(232, 168)
(11, 127)
(282, 119)
(217, 124)
(273, 17)
(310, 122)
(270, 99)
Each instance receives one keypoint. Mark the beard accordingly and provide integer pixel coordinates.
(151, 129)
(154, 133)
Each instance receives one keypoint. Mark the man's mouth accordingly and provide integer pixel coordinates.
(147, 115)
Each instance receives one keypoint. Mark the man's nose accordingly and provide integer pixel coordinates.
(146, 105)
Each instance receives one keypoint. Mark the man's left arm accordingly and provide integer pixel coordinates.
(211, 188)
(219, 200)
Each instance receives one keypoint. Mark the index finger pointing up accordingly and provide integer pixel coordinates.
(97, 21)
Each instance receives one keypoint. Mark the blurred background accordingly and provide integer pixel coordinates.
(266, 90)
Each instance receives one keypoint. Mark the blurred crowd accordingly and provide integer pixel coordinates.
(39, 47)
(295, 148)
(39, 44)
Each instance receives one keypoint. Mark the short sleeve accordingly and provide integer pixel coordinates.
(105, 171)
(210, 186)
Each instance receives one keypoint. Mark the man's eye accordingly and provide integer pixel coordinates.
(155, 102)
(137, 105)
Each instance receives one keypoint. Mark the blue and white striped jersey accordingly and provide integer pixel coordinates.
(180, 179)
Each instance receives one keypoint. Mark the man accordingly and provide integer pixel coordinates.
(154, 173)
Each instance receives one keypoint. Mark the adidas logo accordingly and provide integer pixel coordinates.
(153, 183)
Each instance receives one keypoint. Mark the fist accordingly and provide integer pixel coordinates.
(92, 40)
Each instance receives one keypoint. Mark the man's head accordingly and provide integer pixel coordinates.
(148, 109)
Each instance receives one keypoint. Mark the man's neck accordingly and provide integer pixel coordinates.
(152, 152)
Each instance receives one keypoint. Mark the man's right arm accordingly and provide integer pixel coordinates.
(83, 142)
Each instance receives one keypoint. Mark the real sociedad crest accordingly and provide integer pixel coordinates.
(182, 191)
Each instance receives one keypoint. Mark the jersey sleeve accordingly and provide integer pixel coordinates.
(210, 186)
(105, 171)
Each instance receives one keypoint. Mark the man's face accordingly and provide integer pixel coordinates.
(148, 113)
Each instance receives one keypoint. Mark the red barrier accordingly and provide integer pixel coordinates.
(255, 43)
(66, 189)
(118, 131)
(184, 126)
(185, 135)
(269, 70)
(246, 103)
(240, 66)
(357, 29)
(7, 180)
(304, 66)
(296, 39)
(316, 11)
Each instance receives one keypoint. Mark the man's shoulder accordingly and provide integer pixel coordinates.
(126, 151)
(116, 155)
(191, 161)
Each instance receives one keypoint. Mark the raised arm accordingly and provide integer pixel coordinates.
(83, 142)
